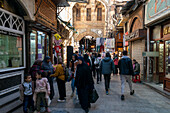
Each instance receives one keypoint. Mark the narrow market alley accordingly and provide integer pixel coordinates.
(145, 100)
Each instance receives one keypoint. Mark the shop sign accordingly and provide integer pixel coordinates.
(140, 33)
(155, 9)
(126, 43)
(9, 33)
(135, 34)
(150, 54)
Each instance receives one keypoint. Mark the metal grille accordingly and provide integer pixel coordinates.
(11, 21)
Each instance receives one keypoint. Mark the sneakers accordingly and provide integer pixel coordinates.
(72, 95)
(107, 92)
(77, 97)
(61, 100)
(47, 110)
(131, 93)
(122, 97)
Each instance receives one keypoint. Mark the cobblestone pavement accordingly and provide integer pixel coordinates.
(145, 100)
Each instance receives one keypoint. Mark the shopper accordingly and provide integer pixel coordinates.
(116, 64)
(94, 56)
(42, 91)
(84, 83)
(73, 65)
(26, 93)
(107, 67)
(60, 77)
(136, 67)
(47, 67)
(97, 63)
(87, 60)
(126, 71)
(34, 69)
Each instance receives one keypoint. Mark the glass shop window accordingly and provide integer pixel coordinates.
(11, 51)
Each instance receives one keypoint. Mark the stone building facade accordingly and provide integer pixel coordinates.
(135, 33)
(89, 19)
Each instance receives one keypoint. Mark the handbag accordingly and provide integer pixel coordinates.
(93, 96)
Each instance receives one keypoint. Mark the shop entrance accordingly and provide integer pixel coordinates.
(157, 63)
(87, 44)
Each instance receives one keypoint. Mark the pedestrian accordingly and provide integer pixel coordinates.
(73, 65)
(136, 67)
(87, 61)
(116, 64)
(77, 53)
(97, 63)
(42, 92)
(84, 83)
(47, 67)
(107, 67)
(94, 56)
(126, 71)
(34, 69)
(60, 77)
(26, 93)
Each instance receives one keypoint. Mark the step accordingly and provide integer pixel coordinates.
(11, 107)
(158, 89)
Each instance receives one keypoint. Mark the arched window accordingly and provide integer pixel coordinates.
(99, 14)
(133, 24)
(78, 14)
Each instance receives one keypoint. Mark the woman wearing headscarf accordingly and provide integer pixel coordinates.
(60, 77)
(87, 60)
(73, 66)
(35, 68)
(47, 67)
(84, 83)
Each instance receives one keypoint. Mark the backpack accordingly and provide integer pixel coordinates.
(67, 73)
(96, 62)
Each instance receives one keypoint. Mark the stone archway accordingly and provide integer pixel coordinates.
(29, 8)
(88, 33)
(135, 23)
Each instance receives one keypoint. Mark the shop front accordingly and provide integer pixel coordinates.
(157, 22)
(41, 32)
(39, 45)
(166, 38)
(136, 42)
(12, 49)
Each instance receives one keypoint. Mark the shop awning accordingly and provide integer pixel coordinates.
(61, 3)
(79, 1)
(68, 24)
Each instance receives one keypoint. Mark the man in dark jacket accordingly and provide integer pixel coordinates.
(107, 67)
(126, 71)
(84, 83)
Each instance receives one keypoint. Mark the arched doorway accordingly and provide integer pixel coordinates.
(87, 44)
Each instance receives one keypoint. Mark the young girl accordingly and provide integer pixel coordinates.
(42, 91)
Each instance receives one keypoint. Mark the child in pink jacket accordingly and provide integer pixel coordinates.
(42, 91)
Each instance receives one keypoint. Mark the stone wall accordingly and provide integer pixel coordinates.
(93, 27)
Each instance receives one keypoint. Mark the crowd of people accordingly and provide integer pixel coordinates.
(37, 89)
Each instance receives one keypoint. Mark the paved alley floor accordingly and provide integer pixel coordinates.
(145, 100)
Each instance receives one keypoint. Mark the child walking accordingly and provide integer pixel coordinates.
(26, 93)
(42, 91)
